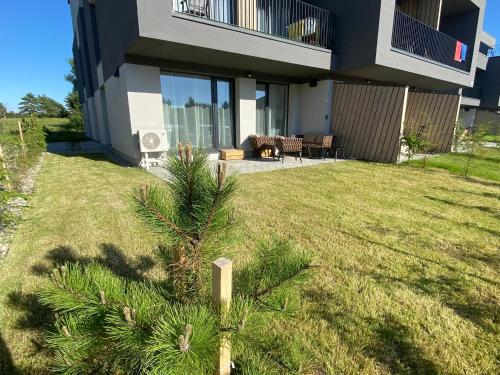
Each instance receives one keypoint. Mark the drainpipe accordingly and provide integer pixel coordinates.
(403, 119)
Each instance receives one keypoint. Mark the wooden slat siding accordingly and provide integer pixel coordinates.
(340, 114)
(379, 119)
(351, 120)
(442, 139)
(365, 151)
(426, 11)
(363, 116)
(360, 124)
(389, 103)
(442, 111)
(392, 134)
(394, 148)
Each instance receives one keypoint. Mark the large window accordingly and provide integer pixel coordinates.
(199, 110)
(272, 109)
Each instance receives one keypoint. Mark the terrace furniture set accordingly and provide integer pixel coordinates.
(280, 146)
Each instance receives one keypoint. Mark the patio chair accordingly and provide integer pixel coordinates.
(321, 143)
(289, 145)
(261, 143)
(199, 8)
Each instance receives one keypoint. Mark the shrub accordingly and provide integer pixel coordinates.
(105, 323)
(20, 155)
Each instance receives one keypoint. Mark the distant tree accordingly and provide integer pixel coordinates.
(28, 106)
(190, 102)
(41, 106)
(71, 76)
(72, 101)
(48, 107)
(3, 111)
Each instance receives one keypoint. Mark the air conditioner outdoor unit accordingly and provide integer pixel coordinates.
(152, 141)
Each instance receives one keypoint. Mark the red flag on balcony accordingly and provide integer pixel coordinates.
(458, 52)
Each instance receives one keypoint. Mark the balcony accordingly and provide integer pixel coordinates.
(293, 20)
(415, 37)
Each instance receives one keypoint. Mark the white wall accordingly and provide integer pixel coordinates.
(310, 108)
(118, 115)
(246, 111)
(468, 117)
(134, 102)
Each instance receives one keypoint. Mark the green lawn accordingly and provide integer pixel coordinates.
(57, 129)
(492, 138)
(486, 163)
(408, 259)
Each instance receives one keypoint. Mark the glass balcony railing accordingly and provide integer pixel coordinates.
(289, 19)
(417, 38)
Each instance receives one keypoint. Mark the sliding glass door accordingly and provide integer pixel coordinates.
(272, 109)
(199, 110)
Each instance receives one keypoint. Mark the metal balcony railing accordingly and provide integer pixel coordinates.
(290, 19)
(413, 36)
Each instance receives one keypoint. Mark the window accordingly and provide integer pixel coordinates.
(272, 109)
(199, 110)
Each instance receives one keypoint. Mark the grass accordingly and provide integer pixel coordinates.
(408, 264)
(486, 163)
(57, 129)
(492, 138)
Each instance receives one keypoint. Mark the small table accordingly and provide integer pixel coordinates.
(232, 154)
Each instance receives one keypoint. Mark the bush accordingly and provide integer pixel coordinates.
(107, 324)
(19, 156)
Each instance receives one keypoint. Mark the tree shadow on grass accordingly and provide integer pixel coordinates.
(111, 257)
(386, 340)
(454, 291)
(482, 182)
(7, 366)
(489, 210)
(484, 194)
(393, 347)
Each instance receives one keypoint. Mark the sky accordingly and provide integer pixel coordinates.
(36, 38)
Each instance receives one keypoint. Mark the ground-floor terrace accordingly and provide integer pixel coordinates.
(217, 111)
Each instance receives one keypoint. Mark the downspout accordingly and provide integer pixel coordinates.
(403, 119)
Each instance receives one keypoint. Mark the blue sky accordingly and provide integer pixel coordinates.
(36, 39)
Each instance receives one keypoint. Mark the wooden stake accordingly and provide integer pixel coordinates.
(20, 132)
(222, 284)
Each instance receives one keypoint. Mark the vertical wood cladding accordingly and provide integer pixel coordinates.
(426, 11)
(366, 120)
(438, 110)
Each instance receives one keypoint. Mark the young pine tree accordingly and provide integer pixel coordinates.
(107, 324)
(193, 210)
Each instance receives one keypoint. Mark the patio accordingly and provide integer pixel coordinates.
(254, 165)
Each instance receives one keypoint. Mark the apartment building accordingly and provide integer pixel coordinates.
(481, 103)
(213, 72)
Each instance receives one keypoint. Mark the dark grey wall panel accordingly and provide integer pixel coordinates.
(356, 30)
(489, 83)
(437, 111)
(118, 28)
(489, 117)
(366, 119)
